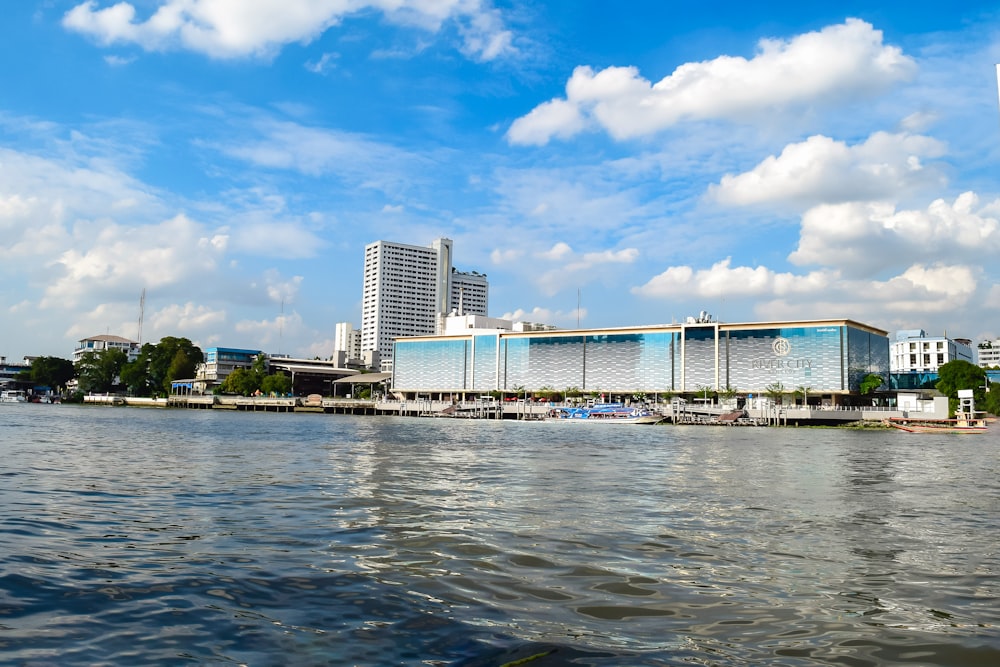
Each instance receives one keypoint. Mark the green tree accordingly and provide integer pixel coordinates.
(241, 381)
(165, 365)
(870, 383)
(991, 403)
(182, 367)
(52, 372)
(960, 374)
(99, 371)
(802, 392)
(279, 383)
(775, 391)
(261, 365)
(135, 374)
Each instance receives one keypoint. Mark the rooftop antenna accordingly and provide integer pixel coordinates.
(142, 310)
(577, 307)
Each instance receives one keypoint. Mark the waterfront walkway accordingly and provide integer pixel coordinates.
(519, 410)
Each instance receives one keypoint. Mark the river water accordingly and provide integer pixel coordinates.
(145, 536)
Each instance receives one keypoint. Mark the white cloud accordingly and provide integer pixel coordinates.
(287, 240)
(188, 317)
(118, 61)
(110, 257)
(318, 152)
(838, 62)
(282, 290)
(506, 256)
(820, 169)
(865, 238)
(557, 252)
(572, 269)
(325, 63)
(722, 280)
(540, 315)
(919, 289)
(271, 331)
(240, 28)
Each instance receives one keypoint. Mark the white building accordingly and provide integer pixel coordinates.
(470, 293)
(347, 339)
(913, 351)
(407, 291)
(105, 342)
(988, 353)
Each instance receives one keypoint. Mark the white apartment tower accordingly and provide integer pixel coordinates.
(408, 290)
(470, 293)
(347, 339)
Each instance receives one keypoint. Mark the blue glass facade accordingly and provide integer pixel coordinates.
(826, 357)
(432, 365)
(791, 356)
(628, 362)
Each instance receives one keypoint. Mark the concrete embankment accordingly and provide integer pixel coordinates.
(519, 410)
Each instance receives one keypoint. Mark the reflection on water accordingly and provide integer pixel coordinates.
(144, 536)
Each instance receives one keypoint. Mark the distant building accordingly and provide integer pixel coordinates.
(219, 363)
(988, 353)
(455, 324)
(914, 357)
(106, 342)
(409, 289)
(10, 370)
(310, 376)
(913, 351)
(830, 357)
(470, 293)
(347, 339)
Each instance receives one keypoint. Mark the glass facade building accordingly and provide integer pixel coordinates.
(830, 356)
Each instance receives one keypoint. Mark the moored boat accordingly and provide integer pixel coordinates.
(605, 413)
(13, 396)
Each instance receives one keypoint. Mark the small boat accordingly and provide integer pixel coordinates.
(961, 424)
(13, 396)
(605, 413)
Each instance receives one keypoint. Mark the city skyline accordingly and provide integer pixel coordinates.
(760, 163)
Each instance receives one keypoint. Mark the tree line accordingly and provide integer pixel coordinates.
(151, 373)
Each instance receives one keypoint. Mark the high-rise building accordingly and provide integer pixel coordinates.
(470, 293)
(347, 339)
(409, 289)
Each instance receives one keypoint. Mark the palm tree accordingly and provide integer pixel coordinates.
(803, 392)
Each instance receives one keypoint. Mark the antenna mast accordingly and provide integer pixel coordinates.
(142, 310)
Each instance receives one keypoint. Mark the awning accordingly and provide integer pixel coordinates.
(306, 369)
(364, 378)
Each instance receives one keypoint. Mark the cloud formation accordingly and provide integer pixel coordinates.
(867, 237)
(821, 169)
(839, 62)
(238, 28)
(825, 293)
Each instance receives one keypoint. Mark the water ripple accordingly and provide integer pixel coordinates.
(172, 537)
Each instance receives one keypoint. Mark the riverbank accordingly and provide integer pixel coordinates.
(512, 410)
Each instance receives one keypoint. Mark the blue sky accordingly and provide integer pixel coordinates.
(234, 157)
